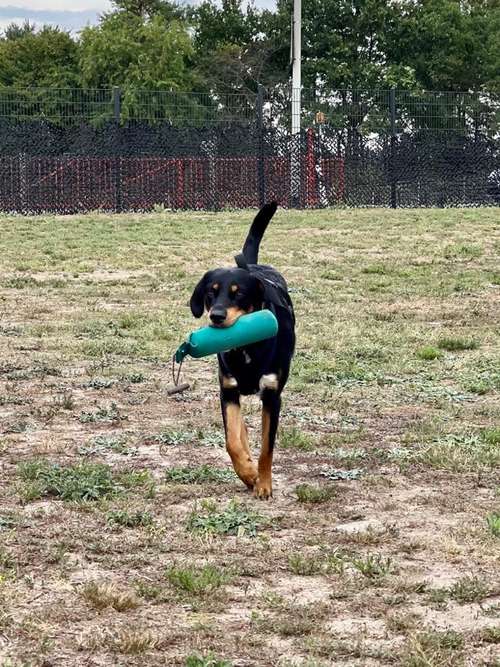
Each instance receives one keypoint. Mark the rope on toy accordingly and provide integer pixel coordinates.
(177, 388)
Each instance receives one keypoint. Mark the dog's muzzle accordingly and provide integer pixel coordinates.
(218, 316)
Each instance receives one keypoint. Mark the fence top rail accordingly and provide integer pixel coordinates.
(285, 91)
(285, 88)
(422, 91)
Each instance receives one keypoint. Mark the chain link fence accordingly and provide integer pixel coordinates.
(68, 151)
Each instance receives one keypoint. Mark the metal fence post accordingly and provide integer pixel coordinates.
(392, 105)
(117, 104)
(23, 183)
(209, 148)
(261, 182)
(117, 112)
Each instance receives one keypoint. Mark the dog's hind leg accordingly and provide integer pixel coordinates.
(236, 437)
(271, 404)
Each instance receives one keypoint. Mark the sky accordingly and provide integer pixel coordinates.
(68, 14)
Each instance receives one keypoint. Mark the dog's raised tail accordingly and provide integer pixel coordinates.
(259, 226)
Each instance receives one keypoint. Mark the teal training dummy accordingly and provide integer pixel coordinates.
(246, 330)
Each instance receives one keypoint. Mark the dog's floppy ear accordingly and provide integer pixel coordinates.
(197, 301)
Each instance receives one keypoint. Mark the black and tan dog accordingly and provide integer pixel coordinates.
(262, 367)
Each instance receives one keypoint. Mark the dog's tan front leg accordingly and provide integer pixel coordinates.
(271, 404)
(264, 487)
(237, 445)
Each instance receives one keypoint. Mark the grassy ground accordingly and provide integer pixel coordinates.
(125, 538)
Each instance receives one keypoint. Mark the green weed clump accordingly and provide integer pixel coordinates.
(85, 481)
(197, 580)
(198, 475)
(236, 519)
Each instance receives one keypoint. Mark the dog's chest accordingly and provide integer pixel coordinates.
(245, 366)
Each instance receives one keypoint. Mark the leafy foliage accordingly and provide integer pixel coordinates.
(81, 482)
(232, 46)
(197, 580)
(136, 53)
(198, 475)
(236, 519)
(85, 481)
(48, 58)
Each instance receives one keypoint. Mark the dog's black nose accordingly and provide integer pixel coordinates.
(218, 315)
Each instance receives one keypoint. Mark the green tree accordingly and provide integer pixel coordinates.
(451, 45)
(149, 8)
(233, 54)
(47, 58)
(343, 44)
(137, 53)
(227, 24)
(492, 65)
(233, 51)
(129, 50)
(16, 31)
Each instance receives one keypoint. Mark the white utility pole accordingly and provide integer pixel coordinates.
(296, 64)
(296, 111)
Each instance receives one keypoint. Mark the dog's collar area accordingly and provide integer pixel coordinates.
(241, 262)
(271, 282)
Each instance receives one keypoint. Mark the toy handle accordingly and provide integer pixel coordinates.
(182, 351)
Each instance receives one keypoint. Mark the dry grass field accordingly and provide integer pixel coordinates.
(125, 537)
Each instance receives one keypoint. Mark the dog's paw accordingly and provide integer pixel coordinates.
(263, 489)
(248, 476)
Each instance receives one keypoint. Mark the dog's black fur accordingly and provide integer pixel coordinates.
(226, 294)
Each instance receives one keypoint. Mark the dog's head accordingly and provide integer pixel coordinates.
(226, 294)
